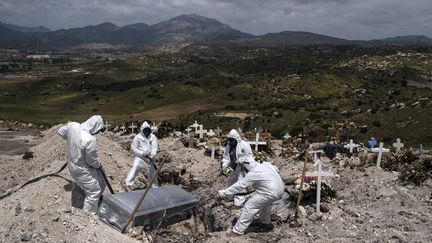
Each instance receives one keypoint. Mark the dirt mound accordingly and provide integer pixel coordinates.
(371, 203)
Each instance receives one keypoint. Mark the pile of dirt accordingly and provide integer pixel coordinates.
(371, 203)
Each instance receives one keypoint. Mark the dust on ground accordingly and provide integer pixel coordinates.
(372, 205)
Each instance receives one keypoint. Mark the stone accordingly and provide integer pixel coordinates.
(325, 208)
(314, 217)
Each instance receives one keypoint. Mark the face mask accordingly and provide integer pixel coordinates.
(232, 142)
(146, 131)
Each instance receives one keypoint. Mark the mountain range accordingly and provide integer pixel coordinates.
(183, 28)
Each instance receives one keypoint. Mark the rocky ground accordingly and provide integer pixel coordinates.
(371, 205)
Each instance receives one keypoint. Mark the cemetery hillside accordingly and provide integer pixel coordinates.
(345, 123)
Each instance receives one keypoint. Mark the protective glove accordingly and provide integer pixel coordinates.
(220, 195)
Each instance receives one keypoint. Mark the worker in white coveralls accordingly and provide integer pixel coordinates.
(268, 185)
(82, 158)
(235, 149)
(144, 147)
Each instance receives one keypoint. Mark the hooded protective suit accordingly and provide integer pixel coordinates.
(82, 159)
(269, 187)
(231, 157)
(144, 149)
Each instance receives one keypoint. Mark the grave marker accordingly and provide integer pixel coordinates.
(218, 131)
(188, 131)
(195, 125)
(351, 146)
(380, 151)
(211, 133)
(123, 128)
(319, 174)
(107, 125)
(398, 145)
(201, 132)
(133, 127)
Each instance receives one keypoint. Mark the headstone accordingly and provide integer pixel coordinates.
(380, 151)
(107, 125)
(351, 146)
(218, 131)
(398, 145)
(201, 132)
(372, 142)
(319, 174)
(133, 127)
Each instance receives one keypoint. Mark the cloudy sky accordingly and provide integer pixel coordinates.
(352, 19)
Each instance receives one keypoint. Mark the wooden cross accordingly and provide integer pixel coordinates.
(351, 146)
(257, 135)
(319, 174)
(188, 131)
(211, 133)
(380, 151)
(422, 151)
(398, 145)
(123, 128)
(107, 125)
(218, 131)
(133, 127)
(201, 132)
(195, 125)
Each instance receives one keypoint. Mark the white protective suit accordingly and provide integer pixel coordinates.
(269, 187)
(82, 158)
(144, 149)
(242, 149)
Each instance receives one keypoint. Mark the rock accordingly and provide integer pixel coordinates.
(315, 217)
(324, 207)
(28, 155)
(302, 212)
(27, 236)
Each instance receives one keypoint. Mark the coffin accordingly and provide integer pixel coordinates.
(161, 207)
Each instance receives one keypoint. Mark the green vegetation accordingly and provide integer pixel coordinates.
(283, 90)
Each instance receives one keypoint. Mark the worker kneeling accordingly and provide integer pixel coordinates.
(269, 187)
(82, 158)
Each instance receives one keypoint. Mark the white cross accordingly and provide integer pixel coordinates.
(211, 133)
(201, 132)
(132, 127)
(422, 151)
(351, 146)
(195, 125)
(257, 135)
(123, 128)
(380, 151)
(318, 174)
(188, 131)
(315, 153)
(218, 131)
(154, 128)
(286, 136)
(398, 145)
(107, 125)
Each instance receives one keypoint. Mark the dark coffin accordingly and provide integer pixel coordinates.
(161, 207)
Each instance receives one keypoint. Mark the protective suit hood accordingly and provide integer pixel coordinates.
(144, 125)
(93, 125)
(234, 134)
(248, 162)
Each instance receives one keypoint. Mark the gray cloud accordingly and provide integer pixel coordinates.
(350, 19)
